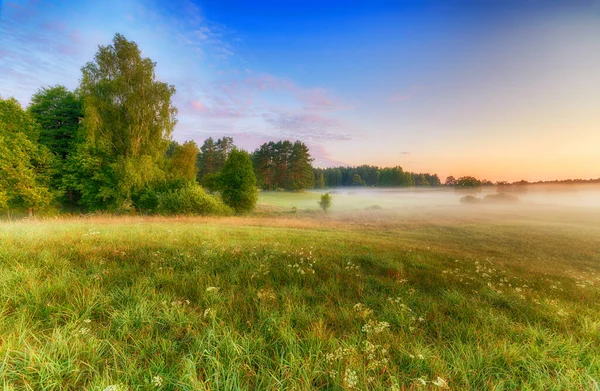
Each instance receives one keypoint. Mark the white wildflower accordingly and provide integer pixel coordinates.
(157, 381)
(440, 382)
(350, 378)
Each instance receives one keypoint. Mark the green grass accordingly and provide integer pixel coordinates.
(300, 304)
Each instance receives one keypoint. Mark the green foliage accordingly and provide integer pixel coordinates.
(128, 120)
(238, 183)
(58, 112)
(357, 181)
(325, 202)
(467, 184)
(212, 156)
(190, 200)
(182, 161)
(283, 165)
(24, 163)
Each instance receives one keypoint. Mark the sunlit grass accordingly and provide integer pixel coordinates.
(302, 304)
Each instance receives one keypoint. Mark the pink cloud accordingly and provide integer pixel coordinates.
(404, 96)
(199, 106)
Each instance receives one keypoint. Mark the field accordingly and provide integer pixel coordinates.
(462, 298)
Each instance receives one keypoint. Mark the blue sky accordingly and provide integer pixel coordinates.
(502, 89)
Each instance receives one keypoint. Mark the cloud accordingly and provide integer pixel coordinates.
(406, 95)
(308, 127)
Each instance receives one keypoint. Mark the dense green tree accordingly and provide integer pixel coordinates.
(207, 158)
(182, 162)
(283, 165)
(58, 111)
(129, 117)
(467, 184)
(223, 147)
(300, 173)
(24, 163)
(238, 182)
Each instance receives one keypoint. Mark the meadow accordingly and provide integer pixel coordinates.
(456, 297)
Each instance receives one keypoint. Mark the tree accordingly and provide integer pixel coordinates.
(357, 181)
(58, 111)
(450, 181)
(24, 163)
(467, 184)
(129, 118)
(182, 163)
(325, 202)
(238, 182)
(207, 158)
(320, 181)
(300, 172)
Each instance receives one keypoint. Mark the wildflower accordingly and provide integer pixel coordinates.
(421, 357)
(375, 327)
(421, 381)
(209, 312)
(84, 331)
(350, 378)
(212, 289)
(87, 321)
(440, 382)
(157, 381)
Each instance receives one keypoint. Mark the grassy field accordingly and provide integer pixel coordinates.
(475, 299)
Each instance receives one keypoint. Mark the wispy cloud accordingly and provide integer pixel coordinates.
(403, 96)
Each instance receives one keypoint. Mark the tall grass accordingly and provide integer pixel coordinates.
(226, 304)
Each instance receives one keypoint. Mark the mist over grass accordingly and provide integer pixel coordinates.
(400, 200)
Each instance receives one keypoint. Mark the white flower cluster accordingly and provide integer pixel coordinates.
(373, 327)
(350, 378)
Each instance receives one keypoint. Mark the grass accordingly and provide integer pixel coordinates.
(504, 302)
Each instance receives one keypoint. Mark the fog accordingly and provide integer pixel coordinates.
(543, 197)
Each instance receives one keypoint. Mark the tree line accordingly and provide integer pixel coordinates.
(372, 176)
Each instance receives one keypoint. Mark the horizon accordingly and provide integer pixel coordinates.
(504, 91)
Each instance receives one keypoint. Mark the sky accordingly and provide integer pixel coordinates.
(497, 89)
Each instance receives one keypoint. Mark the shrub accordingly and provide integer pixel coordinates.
(325, 202)
(469, 199)
(190, 200)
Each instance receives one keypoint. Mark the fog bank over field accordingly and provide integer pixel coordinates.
(530, 196)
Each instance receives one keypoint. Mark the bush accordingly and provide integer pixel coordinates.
(325, 202)
(469, 199)
(190, 200)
